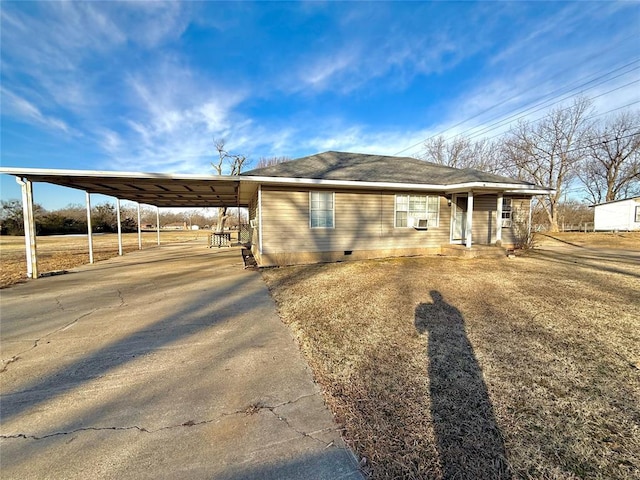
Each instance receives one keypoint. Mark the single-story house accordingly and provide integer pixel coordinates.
(617, 215)
(337, 206)
(328, 207)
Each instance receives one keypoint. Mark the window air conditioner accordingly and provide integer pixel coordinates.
(420, 224)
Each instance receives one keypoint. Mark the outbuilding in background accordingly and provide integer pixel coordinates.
(618, 215)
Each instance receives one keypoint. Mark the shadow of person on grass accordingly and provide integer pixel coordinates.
(468, 440)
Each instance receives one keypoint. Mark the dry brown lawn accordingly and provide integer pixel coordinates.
(470, 369)
(56, 253)
(610, 240)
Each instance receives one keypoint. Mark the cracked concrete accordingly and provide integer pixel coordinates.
(163, 363)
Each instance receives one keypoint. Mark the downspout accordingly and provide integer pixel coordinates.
(31, 251)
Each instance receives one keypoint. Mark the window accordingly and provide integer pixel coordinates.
(637, 214)
(506, 212)
(412, 208)
(321, 209)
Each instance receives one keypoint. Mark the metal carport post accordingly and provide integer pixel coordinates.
(29, 227)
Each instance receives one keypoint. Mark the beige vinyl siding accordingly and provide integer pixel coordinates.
(364, 220)
(483, 230)
(520, 213)
(485, 221)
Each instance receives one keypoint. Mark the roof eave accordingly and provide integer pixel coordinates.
(465, 186)
(46, 172)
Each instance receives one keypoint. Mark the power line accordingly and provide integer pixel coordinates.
(611, 47)
(603, 142)
(502, 122)
(587, 118)
(614, 109)
(546, 103)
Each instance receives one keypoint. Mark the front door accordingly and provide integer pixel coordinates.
(458, 218)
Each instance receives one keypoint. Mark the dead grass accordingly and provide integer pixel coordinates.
(57, 253)
(614, 240)
(486, 368)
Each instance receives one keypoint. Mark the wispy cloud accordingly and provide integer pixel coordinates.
(377, 42)
(51, 57)
(172, 118)
(28, 112)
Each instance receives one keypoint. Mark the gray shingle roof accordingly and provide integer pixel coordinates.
(359, 167)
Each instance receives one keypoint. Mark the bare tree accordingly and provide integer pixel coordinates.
(461, 152)
(271, 161)
(611, 168)
(233, 164)
(548, 151)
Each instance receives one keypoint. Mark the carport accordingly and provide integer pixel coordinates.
(155, 189)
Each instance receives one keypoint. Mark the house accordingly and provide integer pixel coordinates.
(617, 215)
(327, 207)
(336, 206)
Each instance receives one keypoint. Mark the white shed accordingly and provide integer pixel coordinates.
(618, 215)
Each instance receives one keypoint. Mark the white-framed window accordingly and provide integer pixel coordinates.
(637, 214)
(321, 211)
(410, 209)
(507, 210)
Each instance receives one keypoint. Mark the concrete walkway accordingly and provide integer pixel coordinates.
(165, 363)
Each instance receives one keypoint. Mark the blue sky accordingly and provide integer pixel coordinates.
(147, 86)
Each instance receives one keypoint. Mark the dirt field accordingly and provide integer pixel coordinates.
(489, 368)
(64, 252)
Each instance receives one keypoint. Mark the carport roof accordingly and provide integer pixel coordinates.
(158, 189)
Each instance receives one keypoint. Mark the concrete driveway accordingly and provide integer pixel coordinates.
(165, 363)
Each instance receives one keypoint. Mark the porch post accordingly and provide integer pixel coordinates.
(260, 219)
(119, 227)
(139, 229)
(89, 232)
(158, 222)
(531, 220)
(469, 218)
(499, 219)
(31, 251)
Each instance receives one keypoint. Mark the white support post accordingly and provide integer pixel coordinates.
(139, 229)
(27, 226)
(260, 219)
(158, 222)
(238, 207)
(531, 220)
(499, 219)
(31, 251)
(469, 218)
(119, 227)
(89, 232)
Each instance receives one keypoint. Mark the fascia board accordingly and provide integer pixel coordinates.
(46, 172)
(395, 185)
